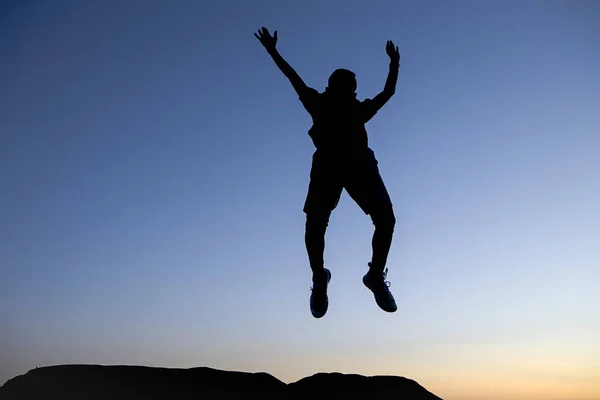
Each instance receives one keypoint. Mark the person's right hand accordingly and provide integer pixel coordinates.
(266, 39)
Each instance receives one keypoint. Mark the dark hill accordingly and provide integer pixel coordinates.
(336, 386)
(97, 382)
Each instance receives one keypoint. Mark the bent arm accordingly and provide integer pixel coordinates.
(389, 88)
(289, 72)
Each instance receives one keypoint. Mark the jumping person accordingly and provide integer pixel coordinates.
(343, 160)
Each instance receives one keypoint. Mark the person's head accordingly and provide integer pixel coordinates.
(343, 82)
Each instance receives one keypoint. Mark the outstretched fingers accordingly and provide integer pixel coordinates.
(392, 50)
(262, 32)
(265, 32)
(265, 37)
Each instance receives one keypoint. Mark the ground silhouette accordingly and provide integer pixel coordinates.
(149, 383)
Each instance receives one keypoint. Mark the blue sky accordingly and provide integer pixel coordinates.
(154, 163)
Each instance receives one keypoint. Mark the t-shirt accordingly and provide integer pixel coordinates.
(338, 122)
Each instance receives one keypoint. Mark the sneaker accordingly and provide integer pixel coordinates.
(376, 283)
(318, 298)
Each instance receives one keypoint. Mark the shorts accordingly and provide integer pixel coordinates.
(357, 173)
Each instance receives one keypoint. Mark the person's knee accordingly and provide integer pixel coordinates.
(317, 221)
(384, 218)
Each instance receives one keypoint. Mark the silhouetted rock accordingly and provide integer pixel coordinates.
(349, 386)
(133, 382)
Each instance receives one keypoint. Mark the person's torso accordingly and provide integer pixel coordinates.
(337, 126)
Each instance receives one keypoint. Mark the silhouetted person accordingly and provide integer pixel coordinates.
(343, 160)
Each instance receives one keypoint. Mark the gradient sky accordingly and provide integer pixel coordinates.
(154, 163)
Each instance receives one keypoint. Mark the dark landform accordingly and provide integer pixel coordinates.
(95, 382)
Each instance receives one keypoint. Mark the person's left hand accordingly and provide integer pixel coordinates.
(392, 52)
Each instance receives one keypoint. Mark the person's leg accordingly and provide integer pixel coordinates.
(323, 195)
(384, 220)
(366, 187)
(314, 238)
(324, 192)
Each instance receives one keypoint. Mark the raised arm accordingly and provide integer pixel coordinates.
(390, 84)
(269, 43)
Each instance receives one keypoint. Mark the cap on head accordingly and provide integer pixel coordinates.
(342, 81)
